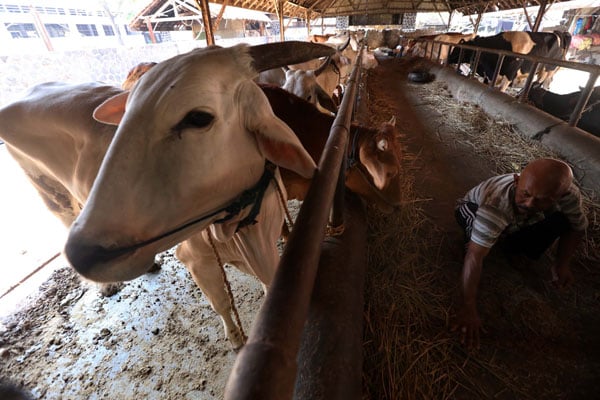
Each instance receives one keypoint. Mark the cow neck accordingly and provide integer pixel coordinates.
(253, 196)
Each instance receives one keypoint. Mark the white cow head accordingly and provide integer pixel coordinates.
(304, 84)
(193, 134)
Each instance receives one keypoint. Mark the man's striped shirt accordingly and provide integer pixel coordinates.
(496, 215)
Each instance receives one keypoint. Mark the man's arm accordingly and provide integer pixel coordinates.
(567, 244)
(467, 320)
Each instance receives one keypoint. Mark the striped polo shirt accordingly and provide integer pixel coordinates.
(496, 215)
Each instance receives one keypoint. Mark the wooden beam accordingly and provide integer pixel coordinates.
(540, 15)
(279, 8)
(39, 26)
(220, 15)
(208, 28)
(529, 22)
(151, 31)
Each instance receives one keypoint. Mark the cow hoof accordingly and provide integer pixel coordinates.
(420, 77)
(110, 289)
(237, 349)
(154, 268)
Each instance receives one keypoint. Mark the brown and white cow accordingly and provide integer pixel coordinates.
(541, 44)
(194, 133)
(424, 48)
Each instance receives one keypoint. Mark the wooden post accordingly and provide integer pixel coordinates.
(150, 31)
(41, 29)
(479, 15)
(208, 28)
(220, 15)
(308, 12)
(279, 9)
(527, 16)
(540, 15)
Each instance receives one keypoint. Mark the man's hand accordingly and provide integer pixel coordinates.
(562, 277)
(468, 324)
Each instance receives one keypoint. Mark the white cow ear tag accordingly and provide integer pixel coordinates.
(111, 111)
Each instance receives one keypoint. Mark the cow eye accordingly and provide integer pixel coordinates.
(194, 119)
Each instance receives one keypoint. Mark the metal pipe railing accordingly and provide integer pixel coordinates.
(593, 70)
(266, 366)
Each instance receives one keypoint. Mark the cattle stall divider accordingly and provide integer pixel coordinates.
(306, 341)
(593, 70)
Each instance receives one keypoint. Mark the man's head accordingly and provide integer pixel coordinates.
(541, 184)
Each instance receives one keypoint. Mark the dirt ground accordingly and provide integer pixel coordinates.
(159, 339)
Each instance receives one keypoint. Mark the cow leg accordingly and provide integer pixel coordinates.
(200, 260)
(504, 83)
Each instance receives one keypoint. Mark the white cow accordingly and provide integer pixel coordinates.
(316, 80)
(194, 133)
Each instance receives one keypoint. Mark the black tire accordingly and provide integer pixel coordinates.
(420, 77)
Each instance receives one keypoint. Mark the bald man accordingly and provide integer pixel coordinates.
(525, 214)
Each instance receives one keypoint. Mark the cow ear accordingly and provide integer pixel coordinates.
(377, 170)
(111, 111)
(275, 139)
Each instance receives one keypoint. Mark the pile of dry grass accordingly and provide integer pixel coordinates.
(409, 352)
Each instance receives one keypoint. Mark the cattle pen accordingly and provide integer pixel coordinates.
(537, 62)
(540, 343)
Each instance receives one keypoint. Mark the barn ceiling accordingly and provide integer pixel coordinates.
(333, 8)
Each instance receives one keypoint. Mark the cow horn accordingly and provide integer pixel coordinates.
(274, 55)
(322, 67)
(345, 45)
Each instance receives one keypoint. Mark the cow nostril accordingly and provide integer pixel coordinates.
(85, 256)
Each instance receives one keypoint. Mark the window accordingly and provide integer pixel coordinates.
(87, 29)
(57, 30)
(20, 31)
(129, 31)
(108, 30)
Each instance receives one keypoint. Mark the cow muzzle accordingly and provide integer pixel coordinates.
(101, 264)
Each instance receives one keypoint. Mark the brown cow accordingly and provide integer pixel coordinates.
(319, 38)
(136, 73)
(374, 165)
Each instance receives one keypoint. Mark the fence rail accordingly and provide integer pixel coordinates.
(593, 70)
(266, 367)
